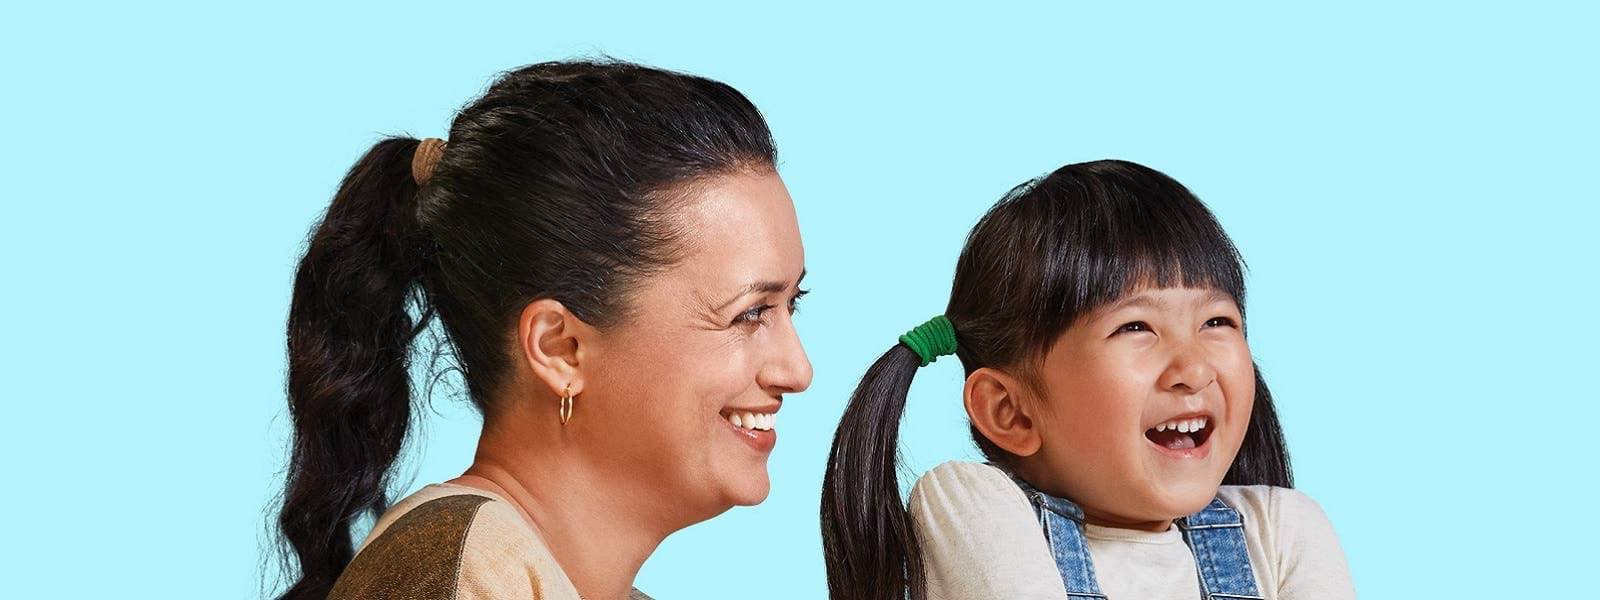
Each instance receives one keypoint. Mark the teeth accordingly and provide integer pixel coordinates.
(747, 420)
(1184, 425)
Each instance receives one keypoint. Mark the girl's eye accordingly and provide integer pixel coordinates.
(1134, 327)
(1220, 322)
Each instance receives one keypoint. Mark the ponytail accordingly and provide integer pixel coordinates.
(349, 338)
(868, 542)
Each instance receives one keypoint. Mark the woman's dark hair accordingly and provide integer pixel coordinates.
(1052, 250)
(559, 182)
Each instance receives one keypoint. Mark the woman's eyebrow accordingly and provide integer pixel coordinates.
(760, 287)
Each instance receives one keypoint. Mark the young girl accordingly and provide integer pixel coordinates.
(1133, 448)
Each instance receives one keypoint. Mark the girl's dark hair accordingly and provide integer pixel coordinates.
(1049, 252)
(559, 182)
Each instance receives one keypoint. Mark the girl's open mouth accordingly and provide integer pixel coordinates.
(1181, 434)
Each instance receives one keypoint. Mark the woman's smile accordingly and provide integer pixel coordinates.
(754, 426)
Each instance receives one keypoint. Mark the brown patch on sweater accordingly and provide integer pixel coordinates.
(416, 558)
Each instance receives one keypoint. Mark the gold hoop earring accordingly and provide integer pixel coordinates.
(566, 405)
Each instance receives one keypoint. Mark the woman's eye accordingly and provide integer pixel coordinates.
(753, 316)
(1134, 327)
(1220, 322)
(794, 303)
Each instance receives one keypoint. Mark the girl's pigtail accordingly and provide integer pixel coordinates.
(867, 539)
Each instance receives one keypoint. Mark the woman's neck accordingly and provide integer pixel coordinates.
(596, 532)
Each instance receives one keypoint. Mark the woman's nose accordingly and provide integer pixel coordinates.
(789, 370)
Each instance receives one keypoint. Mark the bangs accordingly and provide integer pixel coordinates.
(1149, 241)
(1117, 228)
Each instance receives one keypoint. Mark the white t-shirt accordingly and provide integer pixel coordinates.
(981, 539)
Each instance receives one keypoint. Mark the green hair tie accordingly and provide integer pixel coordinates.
(931, 340)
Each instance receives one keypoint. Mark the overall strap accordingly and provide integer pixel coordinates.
(1216, 537)
(1063, 530)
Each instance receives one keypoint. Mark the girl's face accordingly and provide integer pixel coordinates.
(711, 340)
(1146, 402)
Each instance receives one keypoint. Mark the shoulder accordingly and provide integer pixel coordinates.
(1292, 536)
(979, 536)
(957, 484)
(964, 500)
(1271, 506)
(418, 555)
(449, 544)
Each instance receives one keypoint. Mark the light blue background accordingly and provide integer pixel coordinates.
(1411, 186)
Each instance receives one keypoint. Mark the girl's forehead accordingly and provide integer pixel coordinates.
(1164, 298)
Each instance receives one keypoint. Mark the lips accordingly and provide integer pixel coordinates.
(756, 426)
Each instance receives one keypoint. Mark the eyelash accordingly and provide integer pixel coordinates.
(1138, 326)
(757, 314)
(1134, 327)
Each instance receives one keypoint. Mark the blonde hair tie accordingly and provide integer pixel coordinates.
(425, 159)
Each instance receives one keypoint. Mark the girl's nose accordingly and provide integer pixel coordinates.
(1189, 371)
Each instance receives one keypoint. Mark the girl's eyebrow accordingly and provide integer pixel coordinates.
(1145, 300)
(1217, 295)
(1136, 301)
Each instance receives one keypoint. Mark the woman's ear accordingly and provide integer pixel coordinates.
(994, 403)
(552, 343)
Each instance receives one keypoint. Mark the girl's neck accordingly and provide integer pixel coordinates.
(1032, 474)
(1094, 517)
(598, 537)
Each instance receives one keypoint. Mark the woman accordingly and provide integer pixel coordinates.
(615, 262)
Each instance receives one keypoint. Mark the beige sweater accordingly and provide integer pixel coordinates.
(981, 539)
(454, 542)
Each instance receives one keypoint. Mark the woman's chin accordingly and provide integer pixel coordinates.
(749, 489)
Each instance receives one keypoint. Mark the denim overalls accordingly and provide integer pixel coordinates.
(1215, 535)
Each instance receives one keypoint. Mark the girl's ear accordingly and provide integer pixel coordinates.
(994, 403)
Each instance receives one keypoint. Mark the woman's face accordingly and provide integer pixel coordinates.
(1146, 403)
(710, 341)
